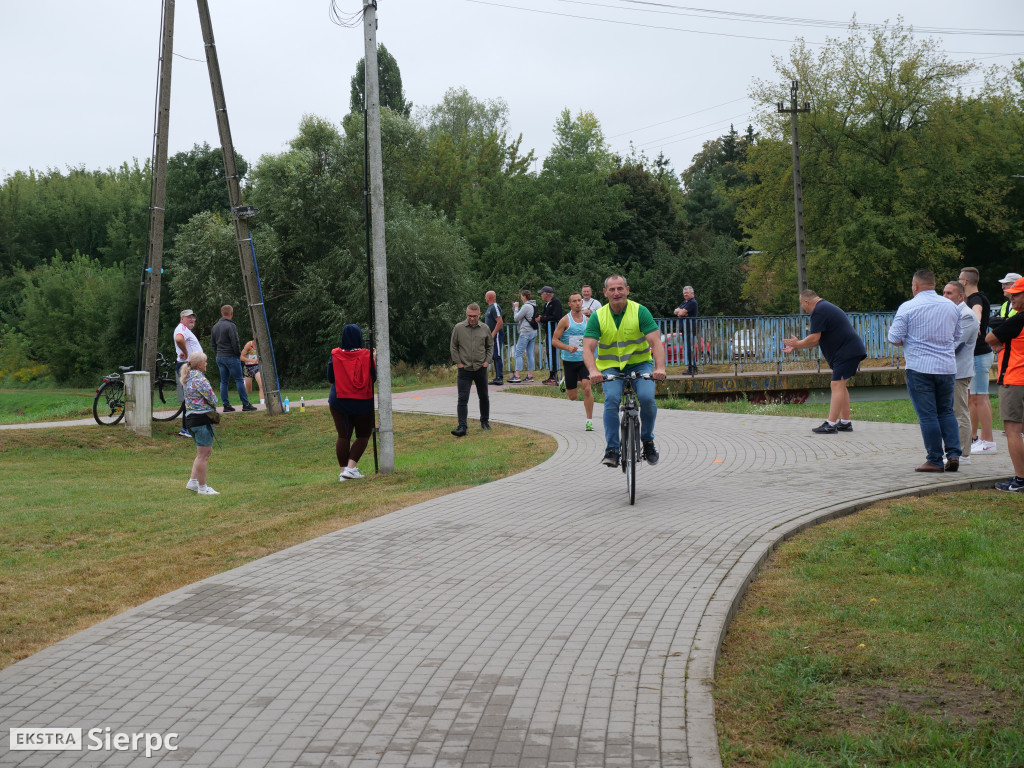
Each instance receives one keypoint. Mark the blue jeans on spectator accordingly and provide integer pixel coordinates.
(525, 347)
(932, 397)
(612, 396)
(231, 368)
(496, 357)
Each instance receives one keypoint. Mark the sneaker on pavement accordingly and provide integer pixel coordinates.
(550, 382)
(495, 382)
(192, 485)
(1012, 485)
(249, 407)
(611, 458)
(651, 453)
(205, 490)
(352, 473)
(514, 380)
(844, 426)
(825, 429)
(983, 447)
(185, 433)
(229, 408)
(590, 426)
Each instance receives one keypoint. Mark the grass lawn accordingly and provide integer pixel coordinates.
(96, 519)
(894, 637)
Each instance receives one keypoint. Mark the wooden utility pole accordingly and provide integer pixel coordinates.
(798, 187)
(382, 340)
(158, 195)
(240, 214)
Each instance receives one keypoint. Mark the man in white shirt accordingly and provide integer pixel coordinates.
(928, 329)
(185, 343)
(590, 304)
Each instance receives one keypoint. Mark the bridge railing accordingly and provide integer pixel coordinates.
(744, 343)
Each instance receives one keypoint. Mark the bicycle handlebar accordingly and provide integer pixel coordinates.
(630, 375)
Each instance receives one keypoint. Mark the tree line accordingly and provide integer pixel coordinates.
(902, 167)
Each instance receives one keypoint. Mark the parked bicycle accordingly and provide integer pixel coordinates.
(108, 405)
(631, 450)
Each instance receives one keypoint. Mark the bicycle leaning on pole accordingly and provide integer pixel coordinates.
(631, 451)
(108, 405)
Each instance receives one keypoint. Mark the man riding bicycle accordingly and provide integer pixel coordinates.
(623, 335)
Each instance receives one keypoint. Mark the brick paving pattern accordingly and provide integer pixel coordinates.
(535, 621)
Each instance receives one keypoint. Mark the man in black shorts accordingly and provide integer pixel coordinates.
(568, 337)
(842, 348)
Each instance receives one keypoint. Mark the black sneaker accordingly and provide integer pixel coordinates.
(229, 408)
(485, 425)
(611, 458)
(459, 431)
(1013, 485)
(826, 429)
(844, 426)
(651, 453)
(496, 382)
(249, 407)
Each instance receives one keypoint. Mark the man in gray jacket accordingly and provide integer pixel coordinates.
(224, 336)
(471, 348)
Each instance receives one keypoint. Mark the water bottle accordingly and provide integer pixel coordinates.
(286, 405)
(302, 405)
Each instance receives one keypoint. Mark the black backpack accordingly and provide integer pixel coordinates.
(532, 319)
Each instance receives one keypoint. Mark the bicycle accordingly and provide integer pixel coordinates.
(631, 451)
(108, 405)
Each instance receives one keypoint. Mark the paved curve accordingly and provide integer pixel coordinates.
(535, 621)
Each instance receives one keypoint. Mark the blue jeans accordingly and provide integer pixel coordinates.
(496, 358)
(231, 368)
(525, 344)
(648, 408)
(932, 397)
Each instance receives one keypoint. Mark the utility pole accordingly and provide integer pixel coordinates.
(382, 340)
(158, 195)
(240, 214)
(798, 187)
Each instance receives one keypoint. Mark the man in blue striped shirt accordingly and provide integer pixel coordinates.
(928, 328)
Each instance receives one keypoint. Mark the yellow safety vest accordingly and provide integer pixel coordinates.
(622, 346)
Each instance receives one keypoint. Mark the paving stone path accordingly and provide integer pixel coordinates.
(535, 621)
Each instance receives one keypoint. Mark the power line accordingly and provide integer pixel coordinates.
(758, 18)
(691, 31)
(681, 117)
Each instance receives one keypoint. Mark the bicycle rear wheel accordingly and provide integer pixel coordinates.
(165, 395)
(628, 449)
(108, 405)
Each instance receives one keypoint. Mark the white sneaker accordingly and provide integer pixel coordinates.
(983, 447)
(965, 460)
(352, 473)
(205, 490)
(192, 485)
(342, 477)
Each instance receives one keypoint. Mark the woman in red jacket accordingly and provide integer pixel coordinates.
(351, 371)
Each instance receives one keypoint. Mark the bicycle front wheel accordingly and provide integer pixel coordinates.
(165, 395)
(628, 449)
(108, 405)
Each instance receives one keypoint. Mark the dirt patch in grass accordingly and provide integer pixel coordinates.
(959, 701)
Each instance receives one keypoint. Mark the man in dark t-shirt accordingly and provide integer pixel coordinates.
(688, 311)
(495, 322)
(842, 348)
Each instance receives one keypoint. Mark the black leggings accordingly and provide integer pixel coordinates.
(344, 424)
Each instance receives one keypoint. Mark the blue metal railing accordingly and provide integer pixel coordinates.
(745, 343)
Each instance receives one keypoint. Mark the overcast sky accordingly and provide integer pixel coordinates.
(79, 78)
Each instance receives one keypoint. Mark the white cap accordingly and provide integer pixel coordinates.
(1011, 277)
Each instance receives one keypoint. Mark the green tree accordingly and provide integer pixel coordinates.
(392, 94)
(896, 167)
(195, 184)
(78, 317)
